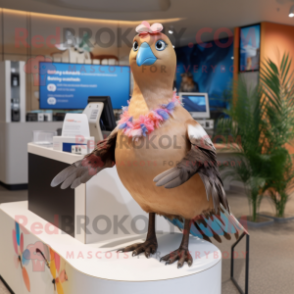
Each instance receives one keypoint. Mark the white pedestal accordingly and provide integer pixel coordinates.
(97, 268)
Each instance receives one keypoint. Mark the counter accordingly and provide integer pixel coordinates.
(101, 209)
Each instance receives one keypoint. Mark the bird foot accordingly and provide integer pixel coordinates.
(182, 255)
(148, 247)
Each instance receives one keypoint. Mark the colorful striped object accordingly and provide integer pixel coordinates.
(212, 225)
(147, 123)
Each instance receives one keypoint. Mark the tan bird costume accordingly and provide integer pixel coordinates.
(164, 158)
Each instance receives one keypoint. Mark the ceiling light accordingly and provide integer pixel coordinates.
(171, 29)
(232, 57)
(291, 12)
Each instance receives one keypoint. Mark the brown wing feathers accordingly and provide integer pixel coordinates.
(200, 159)
(83, 170)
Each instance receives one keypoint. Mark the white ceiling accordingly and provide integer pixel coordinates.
(193, 14)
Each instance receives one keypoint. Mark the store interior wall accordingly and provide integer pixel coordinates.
(41, 32)
(277, 40)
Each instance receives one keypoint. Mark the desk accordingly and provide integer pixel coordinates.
(91, 212)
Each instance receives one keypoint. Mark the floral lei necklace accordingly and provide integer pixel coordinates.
(147, 123)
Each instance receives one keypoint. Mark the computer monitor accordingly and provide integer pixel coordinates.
(107, 120)
(68, 85)
(196, 103)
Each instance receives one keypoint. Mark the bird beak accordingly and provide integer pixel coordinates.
(145, 55)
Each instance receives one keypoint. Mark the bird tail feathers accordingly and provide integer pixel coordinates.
(212, 225)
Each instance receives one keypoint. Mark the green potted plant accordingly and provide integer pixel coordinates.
(278, 89)
(245, 124)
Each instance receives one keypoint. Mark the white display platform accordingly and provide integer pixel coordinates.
(98, 268)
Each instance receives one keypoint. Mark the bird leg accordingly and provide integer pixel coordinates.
(150, 245)
(182, 254)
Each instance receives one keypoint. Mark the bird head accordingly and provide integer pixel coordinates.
(152, 57)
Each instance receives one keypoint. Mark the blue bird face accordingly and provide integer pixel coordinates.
(145, 55)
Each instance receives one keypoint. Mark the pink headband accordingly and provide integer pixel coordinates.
(144, 28)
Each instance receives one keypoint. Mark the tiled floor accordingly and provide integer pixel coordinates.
(271, 254)
(271, 249)
(12, 196)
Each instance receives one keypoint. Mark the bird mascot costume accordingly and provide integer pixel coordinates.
(154, 132)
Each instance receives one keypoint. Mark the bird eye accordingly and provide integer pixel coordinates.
(160, 45)
(135, 46)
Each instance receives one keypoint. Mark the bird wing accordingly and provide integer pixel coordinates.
(83, 170)
(201, 159)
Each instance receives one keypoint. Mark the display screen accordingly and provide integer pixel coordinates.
(249, 48)
(207, 68)
(68, 85)
(194, 103)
